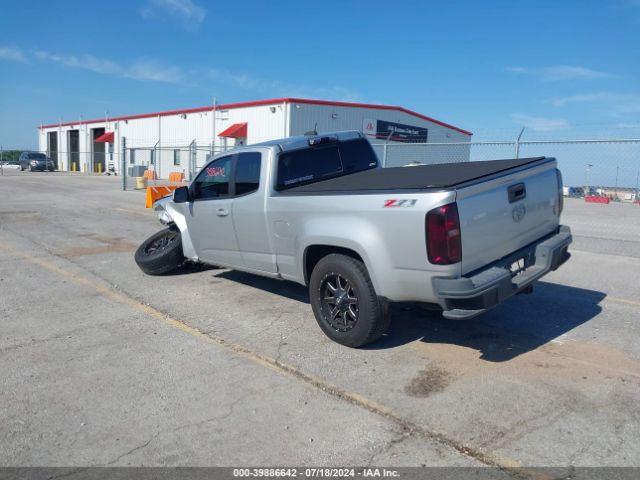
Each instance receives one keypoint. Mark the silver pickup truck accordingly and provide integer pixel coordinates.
(319, 210)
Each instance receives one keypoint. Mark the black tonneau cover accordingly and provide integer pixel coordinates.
(418, 177)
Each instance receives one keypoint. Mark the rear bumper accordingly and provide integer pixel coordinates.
(466, 297)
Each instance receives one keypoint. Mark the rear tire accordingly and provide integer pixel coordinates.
(160, 253)
(344, 302)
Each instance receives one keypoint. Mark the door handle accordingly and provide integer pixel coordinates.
(516, 192)
(222, 212)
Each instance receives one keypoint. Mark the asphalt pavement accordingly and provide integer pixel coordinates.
(103, 365)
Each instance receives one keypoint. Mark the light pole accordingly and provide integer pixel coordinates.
(586, 188)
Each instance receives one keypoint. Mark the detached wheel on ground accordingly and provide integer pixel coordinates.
(345, 303)
(160, 253)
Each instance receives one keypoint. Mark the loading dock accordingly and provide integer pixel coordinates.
(73, 146)
(52, 148)
(97, 151)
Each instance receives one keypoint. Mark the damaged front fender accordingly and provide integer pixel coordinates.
(174, 213)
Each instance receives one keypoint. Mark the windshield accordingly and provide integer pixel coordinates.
(37, 156)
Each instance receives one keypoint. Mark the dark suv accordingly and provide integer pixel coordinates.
(36, 161)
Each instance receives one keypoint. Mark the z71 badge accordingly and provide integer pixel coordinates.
(400, 203)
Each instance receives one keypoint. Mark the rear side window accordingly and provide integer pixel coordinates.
(309, 165)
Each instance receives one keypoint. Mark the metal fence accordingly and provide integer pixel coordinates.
(163, 159)
(609, 166)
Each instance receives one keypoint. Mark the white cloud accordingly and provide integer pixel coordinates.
(278, 88)
(187, 12)
(154, 71)
(14, 54)
(146, 70)
(560, 72)
(540, 124)
(625, 125)
(617, 103)
(85, 62)
(620, 101)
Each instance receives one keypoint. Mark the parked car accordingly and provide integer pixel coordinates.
(320, 211)
(36, 161)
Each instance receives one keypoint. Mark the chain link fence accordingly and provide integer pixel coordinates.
(602, 167)
(608, 167)
(163, 163)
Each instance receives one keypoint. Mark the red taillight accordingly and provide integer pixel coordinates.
(444, 244)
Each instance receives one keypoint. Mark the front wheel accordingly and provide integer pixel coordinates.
(345, 303)
(161, 252)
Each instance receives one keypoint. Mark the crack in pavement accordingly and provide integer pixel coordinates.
(404, 435)
(163, 431)
(58, 336)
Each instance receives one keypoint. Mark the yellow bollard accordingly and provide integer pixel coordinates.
(99, 168)
(73, 167)
(141, 183)
(84, 167)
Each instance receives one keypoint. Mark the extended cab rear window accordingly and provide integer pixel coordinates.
(312, 164)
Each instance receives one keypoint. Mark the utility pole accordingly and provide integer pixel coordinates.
(213, 126)
(1, 164)
(123, 162)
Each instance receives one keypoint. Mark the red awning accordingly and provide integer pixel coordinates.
(237, 130)
(105, 137)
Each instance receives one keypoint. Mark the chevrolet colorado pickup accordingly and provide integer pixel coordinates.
(319, 210)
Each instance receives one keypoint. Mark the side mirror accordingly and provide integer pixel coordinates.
(181, 195)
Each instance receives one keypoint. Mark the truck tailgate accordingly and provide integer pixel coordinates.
(505, 213)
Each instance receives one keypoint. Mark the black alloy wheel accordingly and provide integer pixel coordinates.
(339, 302)
(345, 303)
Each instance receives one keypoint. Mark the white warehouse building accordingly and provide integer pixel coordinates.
(181, 140)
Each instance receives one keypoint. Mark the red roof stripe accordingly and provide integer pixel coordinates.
(258, 103)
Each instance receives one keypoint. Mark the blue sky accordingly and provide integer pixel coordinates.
(559, 68)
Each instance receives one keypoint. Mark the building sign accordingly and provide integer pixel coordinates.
(369, 127)
(396, 132)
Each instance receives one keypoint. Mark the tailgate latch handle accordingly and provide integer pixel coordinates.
(517, 192)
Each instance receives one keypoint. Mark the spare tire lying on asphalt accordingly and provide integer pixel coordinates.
(161, 252)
